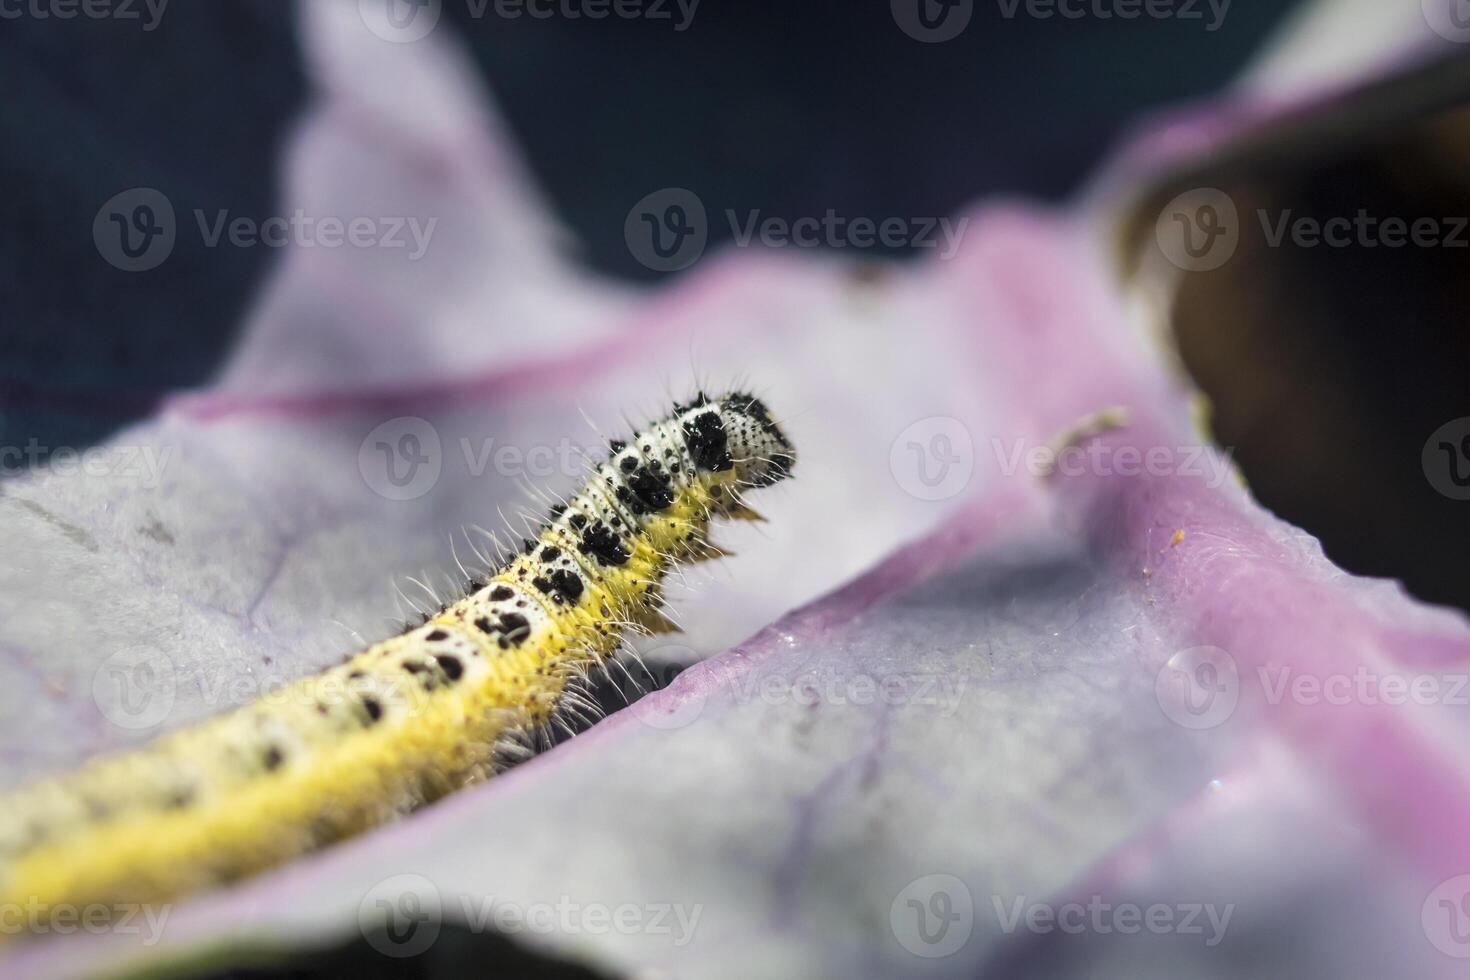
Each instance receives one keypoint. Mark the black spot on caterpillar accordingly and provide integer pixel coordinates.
(413, 717)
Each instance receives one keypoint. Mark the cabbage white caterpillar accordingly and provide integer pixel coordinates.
(408, 719)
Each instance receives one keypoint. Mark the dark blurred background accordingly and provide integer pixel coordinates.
(792, 108)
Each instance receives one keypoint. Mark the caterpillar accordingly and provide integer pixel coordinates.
(408, 719)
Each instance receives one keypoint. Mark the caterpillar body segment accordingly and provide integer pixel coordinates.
(408, 719)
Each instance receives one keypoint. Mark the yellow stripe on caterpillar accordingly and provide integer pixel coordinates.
(411, 718)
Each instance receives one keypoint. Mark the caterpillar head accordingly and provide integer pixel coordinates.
(759, 450)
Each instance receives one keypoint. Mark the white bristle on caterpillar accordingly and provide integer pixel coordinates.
(413, 717)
